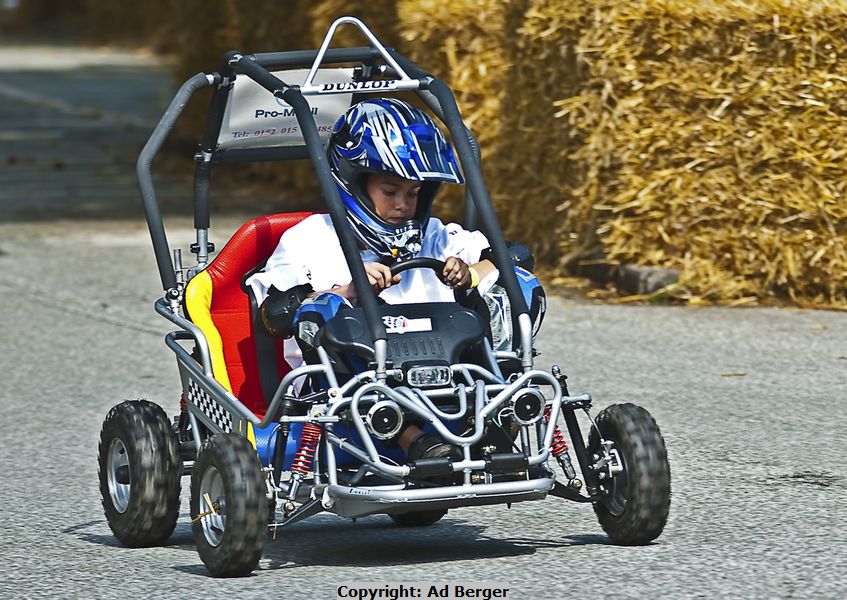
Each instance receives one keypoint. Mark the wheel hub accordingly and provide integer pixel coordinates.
(212, 506)
(118, 475)
(611, 470)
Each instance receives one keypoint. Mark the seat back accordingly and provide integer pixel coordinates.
(218, 304)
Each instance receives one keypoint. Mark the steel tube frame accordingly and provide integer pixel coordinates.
(306, 121)
(145, 178)
(433, 91)
(441, 101)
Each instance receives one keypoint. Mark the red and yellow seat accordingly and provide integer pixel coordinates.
(218, 304)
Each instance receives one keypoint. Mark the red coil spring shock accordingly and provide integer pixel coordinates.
(302, 462)
(559, 449)
(559, 444)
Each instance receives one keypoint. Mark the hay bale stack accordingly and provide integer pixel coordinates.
(708, 137)
(204, 31)
(531, 175)
(465, 43)
(379, 15)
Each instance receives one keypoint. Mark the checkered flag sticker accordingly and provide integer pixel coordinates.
(208, 406)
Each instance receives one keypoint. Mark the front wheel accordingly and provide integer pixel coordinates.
(229, 506)
(636, 499)
(139, 470)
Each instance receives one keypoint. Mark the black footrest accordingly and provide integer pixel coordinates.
(505, 461)
(430, 467)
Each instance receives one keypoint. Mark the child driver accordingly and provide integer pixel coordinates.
(388, 159)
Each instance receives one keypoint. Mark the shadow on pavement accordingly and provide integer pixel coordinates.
(180, 538)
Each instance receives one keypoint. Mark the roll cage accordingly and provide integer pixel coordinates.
(377, 70)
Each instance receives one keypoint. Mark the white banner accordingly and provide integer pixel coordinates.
(254, 118)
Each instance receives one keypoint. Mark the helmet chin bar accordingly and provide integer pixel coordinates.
(407, 242)
(398, 241)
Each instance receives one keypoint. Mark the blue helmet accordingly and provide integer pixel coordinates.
(387, 135)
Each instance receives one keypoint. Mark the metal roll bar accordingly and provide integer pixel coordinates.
(435, 93)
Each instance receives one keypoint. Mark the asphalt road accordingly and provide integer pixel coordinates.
(751, 403)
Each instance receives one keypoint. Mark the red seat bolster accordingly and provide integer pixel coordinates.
(251, 246)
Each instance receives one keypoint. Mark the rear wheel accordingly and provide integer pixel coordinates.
(139, 471)
(419, 518)
(635, 501)
(229, 506)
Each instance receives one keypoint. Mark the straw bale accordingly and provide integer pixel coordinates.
(530, 166)
(700, 136)
(467, 44)
(379, 15)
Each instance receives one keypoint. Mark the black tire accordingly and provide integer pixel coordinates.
(230, 542)
(636, 501)
(139, 470)
(419, 518)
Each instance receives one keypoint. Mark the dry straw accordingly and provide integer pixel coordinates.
(467, 44)
(702, 136)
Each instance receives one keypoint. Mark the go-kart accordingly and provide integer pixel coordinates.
(262, 450)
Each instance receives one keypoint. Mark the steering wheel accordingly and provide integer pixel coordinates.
(419, 262)
(425, 262)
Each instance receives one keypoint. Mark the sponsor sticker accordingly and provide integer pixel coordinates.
(358, 86)
(256, 118)
(402, 324)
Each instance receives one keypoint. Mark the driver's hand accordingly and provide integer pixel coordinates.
(456, 273)
(379, 276)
